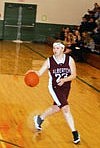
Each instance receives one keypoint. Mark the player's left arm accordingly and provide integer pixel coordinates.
(73, 73)
(73, 70)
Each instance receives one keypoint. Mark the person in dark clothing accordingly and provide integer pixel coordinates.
(84, 25)
(91, 25)
(62, 34)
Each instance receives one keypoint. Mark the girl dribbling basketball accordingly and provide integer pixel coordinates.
(62, 70)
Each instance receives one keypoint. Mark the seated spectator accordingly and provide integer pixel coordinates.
(84, 25)
(97, 13)
(77, 50)
(67, 49)
(91, 14)
(96, 35)
(86, 45)
(72, 45)
(91, 25)
(62, 34)
(96, 5)
(67, 31)
(77, 37)
(69, 41)
(88, 42)
(69, 38)
(76, 27)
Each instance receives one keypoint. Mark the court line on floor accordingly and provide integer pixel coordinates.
(88, 84)
(3, 142)
(76, 77)
(35, 51)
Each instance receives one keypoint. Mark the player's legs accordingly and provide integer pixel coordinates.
(51, 110)
(69, 118)
(38, 119)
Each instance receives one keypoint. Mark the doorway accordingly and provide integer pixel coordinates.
(19, 21)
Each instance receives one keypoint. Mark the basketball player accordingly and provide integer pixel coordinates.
(62, 71)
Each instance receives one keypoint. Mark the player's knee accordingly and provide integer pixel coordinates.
(65, 109)
(55, 108)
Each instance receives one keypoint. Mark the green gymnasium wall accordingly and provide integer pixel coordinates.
(1, 29)
(39, 34)
(20, 23)
(44, 30)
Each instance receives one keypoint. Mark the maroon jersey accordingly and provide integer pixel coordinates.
(57, 71)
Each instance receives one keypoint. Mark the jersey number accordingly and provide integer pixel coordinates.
(59, 76)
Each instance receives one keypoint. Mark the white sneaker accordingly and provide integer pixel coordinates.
(38, 121)
(76, 137)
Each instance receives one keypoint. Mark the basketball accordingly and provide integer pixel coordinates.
(31, 79)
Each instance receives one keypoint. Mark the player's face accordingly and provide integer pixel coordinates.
(57, 50)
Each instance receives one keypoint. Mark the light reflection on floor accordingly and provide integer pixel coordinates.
(16, 58)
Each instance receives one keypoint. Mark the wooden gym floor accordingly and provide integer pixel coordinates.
(19, 103)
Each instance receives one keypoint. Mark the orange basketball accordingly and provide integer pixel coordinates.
(31, 79)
